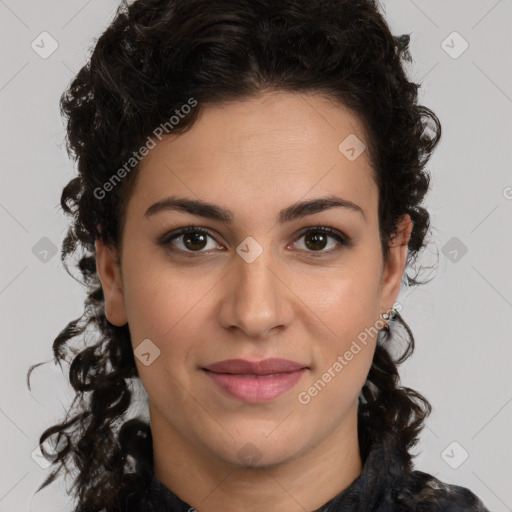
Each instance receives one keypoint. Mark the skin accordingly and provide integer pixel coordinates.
(254, 157)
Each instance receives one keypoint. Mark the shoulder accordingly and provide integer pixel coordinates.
(425, 493)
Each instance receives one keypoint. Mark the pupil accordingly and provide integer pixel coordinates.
(317, 239)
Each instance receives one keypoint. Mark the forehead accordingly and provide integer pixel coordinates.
(275, 148)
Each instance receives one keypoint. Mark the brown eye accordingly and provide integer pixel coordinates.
(319, 238)
(189, 240)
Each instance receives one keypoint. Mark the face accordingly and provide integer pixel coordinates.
(257, 277)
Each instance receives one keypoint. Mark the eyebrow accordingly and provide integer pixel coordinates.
(212, 211)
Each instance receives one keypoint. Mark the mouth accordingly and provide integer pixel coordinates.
(255, 382)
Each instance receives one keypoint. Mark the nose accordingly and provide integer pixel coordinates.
(256, 298)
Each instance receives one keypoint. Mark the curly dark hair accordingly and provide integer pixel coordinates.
(154, 56)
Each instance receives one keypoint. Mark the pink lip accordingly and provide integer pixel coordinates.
(257, 381)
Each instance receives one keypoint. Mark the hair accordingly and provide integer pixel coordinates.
(151, 60)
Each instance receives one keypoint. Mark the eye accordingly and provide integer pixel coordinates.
(316, 239)
(189, 239)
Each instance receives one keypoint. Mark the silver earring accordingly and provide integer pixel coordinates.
(390, 315)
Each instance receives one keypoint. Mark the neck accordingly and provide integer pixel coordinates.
(303, 482)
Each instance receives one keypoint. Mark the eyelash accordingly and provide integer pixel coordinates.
(169, 237)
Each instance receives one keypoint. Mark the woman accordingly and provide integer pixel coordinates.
(251, 178)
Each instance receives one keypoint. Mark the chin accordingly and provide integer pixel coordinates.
(258, 451)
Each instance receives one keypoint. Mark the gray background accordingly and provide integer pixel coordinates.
(460, 320)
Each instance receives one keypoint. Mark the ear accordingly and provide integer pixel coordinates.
(394, 268)
(109, 273)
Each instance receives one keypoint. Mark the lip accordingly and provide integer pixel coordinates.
(255, 381)
(263, 367)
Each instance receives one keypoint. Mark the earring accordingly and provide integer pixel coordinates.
(389, 316)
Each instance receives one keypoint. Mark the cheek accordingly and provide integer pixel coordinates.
(347, 311)
(169, 307)
(161, 299)
(165, 309)
(342, 361)
(345, 299)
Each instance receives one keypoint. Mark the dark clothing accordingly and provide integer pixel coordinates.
(383, 486)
